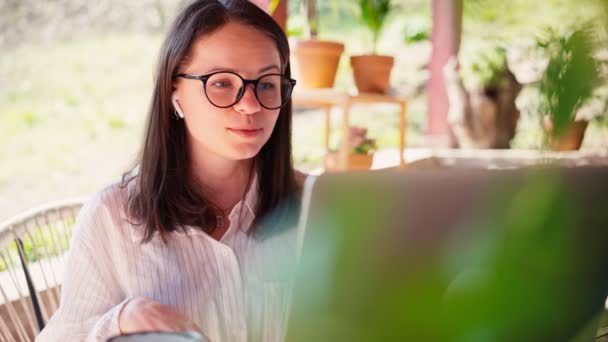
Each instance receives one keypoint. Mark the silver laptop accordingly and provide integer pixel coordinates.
(452, 255)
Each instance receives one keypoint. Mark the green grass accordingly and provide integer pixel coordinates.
(70, 116)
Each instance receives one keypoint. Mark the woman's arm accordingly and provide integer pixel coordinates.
(94, 306)
(143, 314)
(91, 296)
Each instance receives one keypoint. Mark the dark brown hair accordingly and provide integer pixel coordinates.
(165, 197)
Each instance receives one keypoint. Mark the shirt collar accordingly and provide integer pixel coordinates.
(246, 207)
(252, 197)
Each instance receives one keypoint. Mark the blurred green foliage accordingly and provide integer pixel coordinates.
(485, 68)
(416, 31)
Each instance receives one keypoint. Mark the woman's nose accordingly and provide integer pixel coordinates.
(248, 104)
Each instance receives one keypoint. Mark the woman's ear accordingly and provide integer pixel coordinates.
(178, 109)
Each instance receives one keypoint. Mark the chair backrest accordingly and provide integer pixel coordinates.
(33, 247)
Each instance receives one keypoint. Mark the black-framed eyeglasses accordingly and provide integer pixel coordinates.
(225, 88)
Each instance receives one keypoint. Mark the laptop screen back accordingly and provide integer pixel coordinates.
(457, 255)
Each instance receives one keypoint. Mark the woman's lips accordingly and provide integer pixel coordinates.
(246, 133)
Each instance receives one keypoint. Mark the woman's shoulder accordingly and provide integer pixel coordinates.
(111, 197)
(103, 213)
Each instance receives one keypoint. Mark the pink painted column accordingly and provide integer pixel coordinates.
(263, 4)
(279, 14)
(445, 37)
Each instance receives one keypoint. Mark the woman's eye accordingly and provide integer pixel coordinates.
(221, 84)
(266, 86)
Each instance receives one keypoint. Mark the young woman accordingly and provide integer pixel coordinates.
(184, 241)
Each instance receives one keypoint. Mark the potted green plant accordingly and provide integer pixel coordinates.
(568, 83)
(317, 60)
(361, 153)
(372, 72)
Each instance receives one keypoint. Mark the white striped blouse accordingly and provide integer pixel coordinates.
(234, 289)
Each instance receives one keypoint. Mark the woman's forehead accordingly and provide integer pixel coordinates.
(236, 47)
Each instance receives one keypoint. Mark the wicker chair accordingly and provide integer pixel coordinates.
(33, 246)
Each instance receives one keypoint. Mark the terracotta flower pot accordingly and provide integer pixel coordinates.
(317, 62)
(571, 139)
(372, 73)
(356, 161)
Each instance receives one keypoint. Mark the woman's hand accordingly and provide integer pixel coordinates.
(142, 314)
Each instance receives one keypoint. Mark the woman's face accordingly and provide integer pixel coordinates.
(237, 132)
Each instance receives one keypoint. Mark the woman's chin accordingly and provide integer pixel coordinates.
(245, 152)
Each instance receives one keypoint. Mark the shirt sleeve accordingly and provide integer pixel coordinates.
(91, 296)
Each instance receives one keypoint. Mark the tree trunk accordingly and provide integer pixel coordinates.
(483, 118)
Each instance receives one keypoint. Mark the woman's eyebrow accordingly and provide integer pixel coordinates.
(269, 67)
(264, 69)
(209, 71)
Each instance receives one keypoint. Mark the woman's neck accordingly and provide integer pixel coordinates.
(223, 182)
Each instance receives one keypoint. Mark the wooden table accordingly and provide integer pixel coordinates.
(329, 97)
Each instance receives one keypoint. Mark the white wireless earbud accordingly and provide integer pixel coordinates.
(178, 109)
